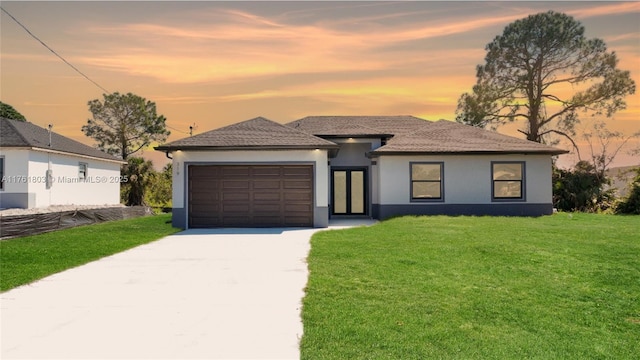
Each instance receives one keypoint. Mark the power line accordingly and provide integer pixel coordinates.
(172, 128)
(68, 63)
(53, 51)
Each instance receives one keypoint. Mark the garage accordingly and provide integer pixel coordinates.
(250, 196)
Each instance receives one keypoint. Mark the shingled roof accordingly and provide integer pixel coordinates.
(404, 134)
(358, 126)
(257, 133)
(451, 137)
(409, 134)
(21, 134)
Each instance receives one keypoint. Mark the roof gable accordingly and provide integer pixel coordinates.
(254, 133)
(15, 133)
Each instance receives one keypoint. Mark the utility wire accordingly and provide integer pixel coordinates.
(172, 128)
(68, 63)
(53, 51)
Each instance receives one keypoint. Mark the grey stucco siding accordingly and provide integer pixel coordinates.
(467, 183)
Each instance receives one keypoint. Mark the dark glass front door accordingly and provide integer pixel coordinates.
(349, 191)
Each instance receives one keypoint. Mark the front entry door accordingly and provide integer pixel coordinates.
(349, 191)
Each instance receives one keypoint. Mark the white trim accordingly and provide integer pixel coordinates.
(67, 153)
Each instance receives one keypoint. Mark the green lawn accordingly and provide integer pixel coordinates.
(555, 287)
(24, 260)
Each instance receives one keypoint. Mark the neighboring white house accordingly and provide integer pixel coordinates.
(261, 173)
(40, 169)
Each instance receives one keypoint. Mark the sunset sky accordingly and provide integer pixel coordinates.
(210, 64)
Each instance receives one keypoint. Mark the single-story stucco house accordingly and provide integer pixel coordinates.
(39, 168)
(262, 173)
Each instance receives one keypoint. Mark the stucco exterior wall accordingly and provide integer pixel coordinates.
(316, 157)
(102, 186)
(353, 152)
(15, 164)
(15, 193)
(467, 180)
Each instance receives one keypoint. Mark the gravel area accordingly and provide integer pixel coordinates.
(52, 209)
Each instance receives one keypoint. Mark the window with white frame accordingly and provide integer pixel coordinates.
(82, 170)
(426, 181)
(508, 180)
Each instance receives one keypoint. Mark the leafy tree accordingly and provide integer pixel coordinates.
(631, 205)
(124, 124)
(582, 189)
(160, 192)
(528, 70)
(8, 112)
(139, 175)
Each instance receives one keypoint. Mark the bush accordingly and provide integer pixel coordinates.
(581, 189)
(158, 194)
(631, 205)
(139, 174)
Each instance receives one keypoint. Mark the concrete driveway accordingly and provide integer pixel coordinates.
(206, 294)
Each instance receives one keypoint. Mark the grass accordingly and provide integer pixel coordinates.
(556, 287)
(24, 260)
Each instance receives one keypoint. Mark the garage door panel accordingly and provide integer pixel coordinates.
(242, 208)
(266, 184)
(303, 208)
(267, 220)
(206, 212)
(297, 184)
(203, 171)
(234, 221)
(250, 196)
(267, 196)
(236, 196)
(204, 185)
(235, 171)
(235, 184)
(267, 208)
(302, 171)
(298, 196)
(199, 172)
(268, 171)
(199, 190)
(205, 204)
(205, 195)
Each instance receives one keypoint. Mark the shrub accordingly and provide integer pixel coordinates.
(631, 205)
(581, 189)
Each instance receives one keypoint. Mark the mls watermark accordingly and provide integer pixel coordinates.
(92, 179)
(23, 179)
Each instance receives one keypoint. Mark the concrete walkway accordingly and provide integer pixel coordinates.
(205, 294)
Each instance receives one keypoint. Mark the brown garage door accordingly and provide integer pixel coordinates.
(250, 195)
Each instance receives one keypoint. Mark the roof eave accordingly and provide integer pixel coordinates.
(473, 152)
(54, 151)
(236, 148)
(355, 136)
